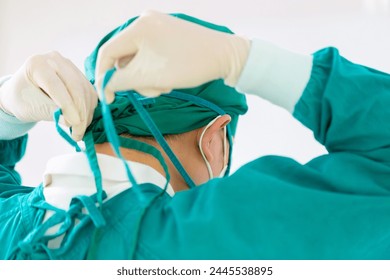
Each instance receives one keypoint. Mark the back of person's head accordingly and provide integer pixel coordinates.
(172, 115)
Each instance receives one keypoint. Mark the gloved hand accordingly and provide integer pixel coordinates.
(45, 83)
(159, 52)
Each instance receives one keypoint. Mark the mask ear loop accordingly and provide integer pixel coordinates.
(207, 104)
(225, 152)
(208, 166)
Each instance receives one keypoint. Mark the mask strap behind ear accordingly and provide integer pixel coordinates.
(207, 104)
(63, 134)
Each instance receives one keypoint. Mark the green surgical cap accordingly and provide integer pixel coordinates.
(171, 115)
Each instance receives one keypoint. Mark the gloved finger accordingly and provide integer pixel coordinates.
(151, 92)
(34, 97)
(123, 45)
(48, 110)
(62, 121)
(79, 130)
(79, 88)
(123, 61)
(86, 99)
(87, 107)
(108, 58)
(133, 76)
(53, 86)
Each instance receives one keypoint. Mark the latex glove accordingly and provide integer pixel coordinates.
(159, 52)
(45, 83)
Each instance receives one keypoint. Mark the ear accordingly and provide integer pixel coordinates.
(211, 134)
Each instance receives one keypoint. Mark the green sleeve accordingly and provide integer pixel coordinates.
(17, 217)
(346, 105)
(334, 207)
(11, 152)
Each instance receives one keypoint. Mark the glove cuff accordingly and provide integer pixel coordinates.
(238, 55)
(275, 74)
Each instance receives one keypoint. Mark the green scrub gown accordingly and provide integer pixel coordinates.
(336, 206)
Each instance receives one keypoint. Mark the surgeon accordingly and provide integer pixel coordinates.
(185, 154)
(333, 207)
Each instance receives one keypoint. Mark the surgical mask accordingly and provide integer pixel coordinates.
(223, 171)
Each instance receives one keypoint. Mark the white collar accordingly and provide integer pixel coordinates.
(69, 175)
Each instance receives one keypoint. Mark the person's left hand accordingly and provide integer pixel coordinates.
(45, 83)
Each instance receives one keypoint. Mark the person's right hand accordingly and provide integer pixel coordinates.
(159, 52)
(45, 83)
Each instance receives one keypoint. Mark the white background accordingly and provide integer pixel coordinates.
(360, 29)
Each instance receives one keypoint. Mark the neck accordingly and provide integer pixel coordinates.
(176, 180)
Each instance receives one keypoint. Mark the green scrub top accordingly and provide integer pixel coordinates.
(336, 206)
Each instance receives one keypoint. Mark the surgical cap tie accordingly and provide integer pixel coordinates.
(35, 244)
(115, 141)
